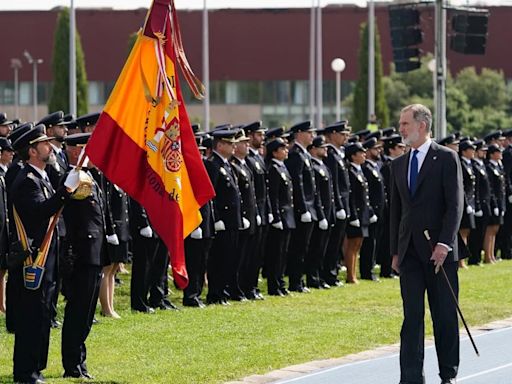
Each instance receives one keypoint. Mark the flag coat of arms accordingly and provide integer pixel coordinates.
(143, 141)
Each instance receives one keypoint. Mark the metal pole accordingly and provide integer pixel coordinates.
(16, 93)
(338, 95)
(72, 60)
(319, 77)
(34, 86)
(312, 63)
(440, 40)
(206, 69)
(371, 58)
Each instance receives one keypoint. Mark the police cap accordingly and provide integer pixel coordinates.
(88, 120)
(305, 126)
(77, 139)
(32, 136)
(4, 120)
(52, 119)
(353, 148)
(275, 144)
(339, 126)
(5, 144)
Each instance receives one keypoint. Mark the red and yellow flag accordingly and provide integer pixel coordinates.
(143, 141)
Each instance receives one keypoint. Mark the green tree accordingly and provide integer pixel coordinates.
(360, 110)
(59, 99)
(487, 89)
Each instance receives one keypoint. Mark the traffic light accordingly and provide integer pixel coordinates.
(406, 35)
(469, 30)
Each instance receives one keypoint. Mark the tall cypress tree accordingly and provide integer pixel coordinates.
(360, 107)
(59, 99)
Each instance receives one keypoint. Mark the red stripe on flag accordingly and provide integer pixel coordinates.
(124, 163)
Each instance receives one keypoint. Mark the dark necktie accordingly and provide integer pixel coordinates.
(413, 172)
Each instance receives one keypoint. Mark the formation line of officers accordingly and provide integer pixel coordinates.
(305, 203)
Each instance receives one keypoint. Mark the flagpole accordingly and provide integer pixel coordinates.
(319, 77)
(312, 63)
(371, 58)
(72, 60)
(206, 69)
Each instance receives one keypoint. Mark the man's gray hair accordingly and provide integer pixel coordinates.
(420, 113)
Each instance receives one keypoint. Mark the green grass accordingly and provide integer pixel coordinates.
(219, 344)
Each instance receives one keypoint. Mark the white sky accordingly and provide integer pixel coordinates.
(184, 4)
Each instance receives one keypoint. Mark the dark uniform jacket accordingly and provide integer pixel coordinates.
(507, 168)
(325, 192)
(56, 173)
(102, 183)
(469, 179)
(498, 184)
(118, 203)
(280, 190)
(376, 189)
(247, 193)
(85, 224)
(340, 179)
(483, 188)
(4, 221)
(259, 171)
(226, 203)
(207, 225)
(360, 208)
(303, 177)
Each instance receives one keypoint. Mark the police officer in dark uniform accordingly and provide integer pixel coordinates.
(393, 147)
(85, 224)
(504, 237)
(304, 189)
(6, 153)
(336, 135)
(256, 164)
(198, 245)
(35, 201)
(228, 216)
(280, 192)
(5, 125)
(482, 204)
(326, 216)
(250, 214)
(371, 171)
(497, 182)
(467, 153)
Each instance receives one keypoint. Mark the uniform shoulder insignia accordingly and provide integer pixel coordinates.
(30, 175)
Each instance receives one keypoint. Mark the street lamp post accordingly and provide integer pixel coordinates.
(338, 66)
(34, 63)
(16, 65)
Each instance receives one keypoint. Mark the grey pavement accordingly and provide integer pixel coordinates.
(381, 365)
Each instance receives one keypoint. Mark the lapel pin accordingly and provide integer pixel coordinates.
(434, 158)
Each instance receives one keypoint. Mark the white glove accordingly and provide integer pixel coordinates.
(112, 239)
(245, 223)
(510, 199)
(355, 223)
(496, 212)
(72, 180)
(146, 232)
(219, 226)
(341, 214)
(270, 217)
(469, 210)
(323, 224)
(373, 219)
(197, 233)
(278, 225)
(502, 213)
(479, 213)
(258, 220)
(306, 217)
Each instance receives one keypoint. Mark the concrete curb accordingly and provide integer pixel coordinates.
(303, 369)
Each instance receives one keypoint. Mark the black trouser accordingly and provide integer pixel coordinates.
(416, 277)
(196, 257)
(13, 289)
(297, 250)
(143, 252)
(275, 258)
(315, 256)
(384, 256)
(82, 297)
(250, 271)
(32, 332)
(158, 288)
(329, 272)
(368, 251)
(476, 240)
(235, 266)
(222, 254)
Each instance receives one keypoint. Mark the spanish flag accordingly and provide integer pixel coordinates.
(143, 141)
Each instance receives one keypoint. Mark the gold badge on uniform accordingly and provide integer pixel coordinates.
(496, 172)
(244, 173)
(223, 171)
(283, 175)
(359, 178)
(308, 164)
(375, 173)
(322, 173)
(258, 166)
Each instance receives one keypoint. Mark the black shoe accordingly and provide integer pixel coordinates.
(324, 285)
(449, 381)
(148, 310)
(167, 306)
(55, 324)
(238, 298)
(220, 301)
(78, 375)
(299, 289)
(276, 293)
(259, 296)
(194, 302)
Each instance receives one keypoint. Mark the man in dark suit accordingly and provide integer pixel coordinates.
(36, 203)
(426, 194)
(6, 154)
(85, 223)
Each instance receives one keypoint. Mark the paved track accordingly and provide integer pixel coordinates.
(493, 366)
